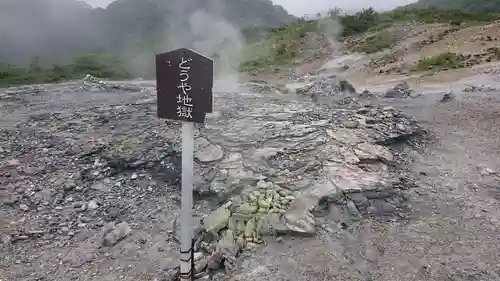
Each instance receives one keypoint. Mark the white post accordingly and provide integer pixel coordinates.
(187, 200)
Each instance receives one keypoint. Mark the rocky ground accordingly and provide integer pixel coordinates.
(451, 233)
(318, 179)
(90, 176)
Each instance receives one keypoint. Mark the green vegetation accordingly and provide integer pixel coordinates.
(377, 42)
(286, 44)
(441, 61)
(99, 65)
(277, 46)
(471, 6)
(133, 30)
(495, 52)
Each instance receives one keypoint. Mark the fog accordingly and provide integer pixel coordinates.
(24, 27)
(61, 29)
(301, 7)
(207, 34)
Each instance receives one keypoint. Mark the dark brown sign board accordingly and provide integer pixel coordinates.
(184, 82)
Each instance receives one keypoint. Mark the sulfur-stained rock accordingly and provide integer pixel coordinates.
(236, 224)
(250, 228)
(264, 204)
(217, 220)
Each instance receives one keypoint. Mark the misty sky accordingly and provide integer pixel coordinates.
(302, 7)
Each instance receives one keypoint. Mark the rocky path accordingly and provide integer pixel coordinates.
(288, 187)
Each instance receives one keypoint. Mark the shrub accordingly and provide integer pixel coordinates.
(98, 64)
(377, 42)
(444, 60)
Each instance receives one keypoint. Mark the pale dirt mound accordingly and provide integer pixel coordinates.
(425, 40)
(432, 40)
(412, 42)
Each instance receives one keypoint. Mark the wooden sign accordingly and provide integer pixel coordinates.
(184, 85)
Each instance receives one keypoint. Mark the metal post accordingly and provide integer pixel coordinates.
(187, 201)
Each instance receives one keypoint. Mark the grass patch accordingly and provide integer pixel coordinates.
(278, 46)
(441, 61)
(284, 45)
(96, 64)
(377, 42)
(494, 52)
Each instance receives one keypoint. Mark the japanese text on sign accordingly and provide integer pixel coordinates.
(184, 100)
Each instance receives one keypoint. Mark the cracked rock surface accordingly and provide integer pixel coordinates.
(90, 183)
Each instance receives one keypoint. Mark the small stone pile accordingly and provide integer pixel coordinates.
(439, 37)
(481, 88)
(332, 91)
(92, 84)
(328, 86)
(241, 223)
(401, 90)
(253, 215)
(447, 97)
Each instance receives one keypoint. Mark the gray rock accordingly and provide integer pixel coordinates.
(480, 88)
(100, 186)
(395, 93)
(228, 249)
(360, 200)
(118, 233)
(447, 97)
(11, 200)
(198, 256)
(326, 86)
(351, 124)
(485, 170)
(352, 209)
(382, 152)
(208, 152)
(299, 219)
(383, 208)
(270, 225)
(92, 205)
(6, 240)
(414, 94)
(402, 86)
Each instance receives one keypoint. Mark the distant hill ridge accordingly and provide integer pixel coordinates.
(472, 6)
(55, 29)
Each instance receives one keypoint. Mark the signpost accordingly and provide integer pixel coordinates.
(184, 92)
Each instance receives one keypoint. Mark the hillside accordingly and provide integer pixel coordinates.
(473, 6)
(127, 50)
(56, 30)
(48, 28)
